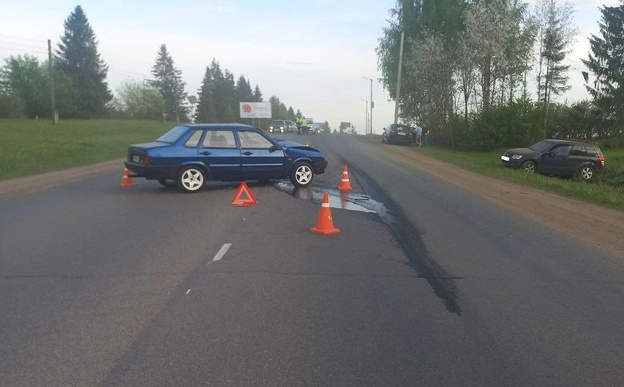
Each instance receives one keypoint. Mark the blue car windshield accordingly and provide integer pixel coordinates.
(173, 135)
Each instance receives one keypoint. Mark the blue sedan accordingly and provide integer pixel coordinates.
(189, 155)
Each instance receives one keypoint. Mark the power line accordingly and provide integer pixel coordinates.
(20, 45)
(24, 39)
(11, 50)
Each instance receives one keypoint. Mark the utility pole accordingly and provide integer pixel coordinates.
(51, 69)
(366, 113)
(372, 105)
(398, 93)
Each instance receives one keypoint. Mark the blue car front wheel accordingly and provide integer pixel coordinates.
(302, 174)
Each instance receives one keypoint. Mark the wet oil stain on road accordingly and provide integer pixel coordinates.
(441, 281)
(337, 199)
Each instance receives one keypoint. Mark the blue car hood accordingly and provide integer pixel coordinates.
(286, 144)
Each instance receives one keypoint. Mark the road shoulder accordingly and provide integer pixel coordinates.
(29, 184)
(599, 226)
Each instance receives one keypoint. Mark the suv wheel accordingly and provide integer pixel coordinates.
(529, 166)
(587, 173)
(191, 179)
(302, 175)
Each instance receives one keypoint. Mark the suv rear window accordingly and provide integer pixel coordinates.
(578, 150)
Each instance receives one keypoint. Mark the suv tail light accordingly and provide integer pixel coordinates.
(602, 160)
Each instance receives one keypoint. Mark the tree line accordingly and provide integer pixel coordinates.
(81, 91)
(486, 73)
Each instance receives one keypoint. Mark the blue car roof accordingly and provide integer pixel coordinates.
(226, 125)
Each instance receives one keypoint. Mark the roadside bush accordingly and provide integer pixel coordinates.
(10, 106)
(511, 125)
(613, 172)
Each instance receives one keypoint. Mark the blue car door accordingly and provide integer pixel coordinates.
(220, 153)
(260, 158)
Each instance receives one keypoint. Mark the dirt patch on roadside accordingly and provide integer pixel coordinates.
(596, 225)
(24, 185)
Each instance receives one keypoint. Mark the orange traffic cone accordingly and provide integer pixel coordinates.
(126, 180)
(325, 224)
(345, 185)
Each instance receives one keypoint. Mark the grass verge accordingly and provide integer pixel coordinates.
(608, 192)
(30, 147)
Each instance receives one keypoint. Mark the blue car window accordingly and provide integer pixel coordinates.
(219, 139)
(194, 139)
(173, 134)
(253, 140)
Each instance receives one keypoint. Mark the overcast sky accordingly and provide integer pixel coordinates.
(313, 55)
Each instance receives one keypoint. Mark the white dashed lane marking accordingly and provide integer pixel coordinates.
(224, 249)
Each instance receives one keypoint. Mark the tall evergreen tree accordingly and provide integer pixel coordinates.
(229, 92)
(224, 91)
(206, 104)
(257, 95)
(606, 62)
(244, 93)
(78, 57)
(243, 90)
(168, 80)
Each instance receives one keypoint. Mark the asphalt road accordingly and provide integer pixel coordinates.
(103, 285)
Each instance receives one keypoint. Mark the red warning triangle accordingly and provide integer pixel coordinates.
(239, 197)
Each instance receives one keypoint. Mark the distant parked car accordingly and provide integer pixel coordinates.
(397, 134)
(316, 128)
(278, 126)
(291, 126)
(557, 157)
(189, 155)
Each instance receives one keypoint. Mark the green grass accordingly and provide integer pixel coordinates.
(30, 147)
(608, 192)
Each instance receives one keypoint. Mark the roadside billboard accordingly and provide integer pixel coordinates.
(255, 110)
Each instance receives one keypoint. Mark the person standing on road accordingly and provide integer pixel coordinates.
(426, 133)
(417, 134)
(304, 124)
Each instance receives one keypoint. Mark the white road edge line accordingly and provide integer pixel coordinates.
(188, 291)
(224, 249)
